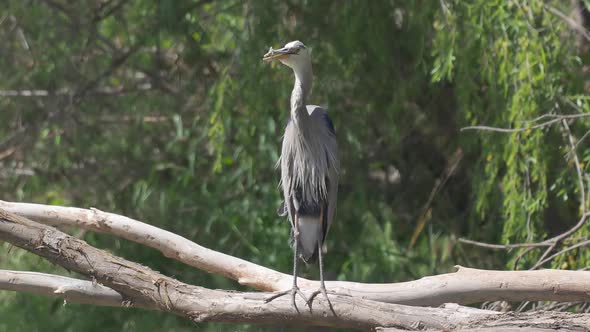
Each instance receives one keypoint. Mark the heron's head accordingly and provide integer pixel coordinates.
(293, 54)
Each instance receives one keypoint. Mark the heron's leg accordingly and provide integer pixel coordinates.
(295, 289)
(322, 284)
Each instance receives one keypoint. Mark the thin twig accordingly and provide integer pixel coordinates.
(438, 185)
(581, 139)
(109, 11)
(545, 253)
(503, 246)
(568, 249)
(575, 25)
(545, 243)
(569, 232)
(520, 256)
(540, 125)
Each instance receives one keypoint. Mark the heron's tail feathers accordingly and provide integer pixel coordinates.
(310, 233)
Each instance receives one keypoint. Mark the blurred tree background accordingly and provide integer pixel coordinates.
(163, 111)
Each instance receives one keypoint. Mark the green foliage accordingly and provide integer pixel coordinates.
(163, 111)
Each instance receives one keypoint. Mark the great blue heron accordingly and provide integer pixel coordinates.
(309, 168)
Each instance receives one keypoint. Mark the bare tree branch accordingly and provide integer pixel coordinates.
(139, 284)
(70, 289)
(548, 322)
(503, 246)
(466, 286)
(171, 245)
(556, 118)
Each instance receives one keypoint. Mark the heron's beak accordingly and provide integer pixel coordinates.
(277, 54)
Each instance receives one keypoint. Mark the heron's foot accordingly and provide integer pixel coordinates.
(293, 292)
(323, 291)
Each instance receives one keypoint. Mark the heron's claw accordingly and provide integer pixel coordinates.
(323, 291)
(293, 292)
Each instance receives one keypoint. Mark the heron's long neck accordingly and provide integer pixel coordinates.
(301, 90)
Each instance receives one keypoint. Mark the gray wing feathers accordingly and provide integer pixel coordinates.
(320, 117)
(333, 185)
